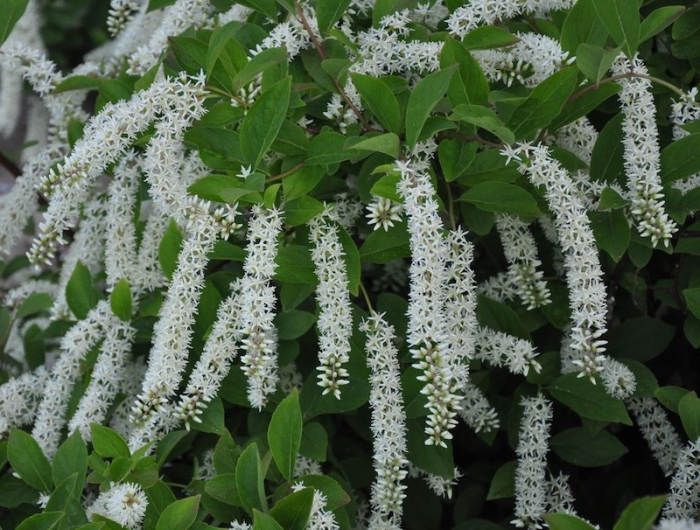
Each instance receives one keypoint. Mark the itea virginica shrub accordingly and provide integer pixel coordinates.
(349, 264)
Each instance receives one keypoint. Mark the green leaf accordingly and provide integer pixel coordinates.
(621, 19)
(226, 454)
(249, 480)
(456, 157)
(179, 515)
(386, 187)
(594, 61)
(336, 496)
(585, 103)
(423, 99)
(687, 25)
(158, 4)
(212, 418)
(42, 521)
(351, 255)
(28, 461)
(692, 300)
(607, 162)
(681, 158)
(77, 82)
(223, 488)
(263, 121)
(169, 249)
(641, 513)
(500, 317)
(689, 410)
(284, 434)
(63, 496)
(70, 459)
(302, 181)
(543, 104)
(431, 458)
(293, 511)
(293, 324)
(658, 20)
(469, 84)
(487, 37)
(485, 118)
(501, 197)
(640, 338)
(107, 442)
(262, 521)
(80, 293)
(14, 491)
(612, 232)
(582, 25)
(258, 64)
(588, 400)
(325, 149)
(10, 12)
(120, 300)
(314, 442)
(503, 482)
(225, 188)
(384, 246)
(580, 447)
(670, 396)
(564, 521)
(224, 46)
(294, 265)
(611, 200)
(301, 210)
(380, 100)
(33, 304)
(328, 12)
(387, 143)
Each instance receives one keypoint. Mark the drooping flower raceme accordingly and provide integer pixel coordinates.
(258, 300)
(530, 475)
(642, 153)
(427, 336)
(684, 498)
(659, 433)
(333, 298)
(388, 424)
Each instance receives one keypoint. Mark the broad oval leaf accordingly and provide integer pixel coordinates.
(423, 99)
(621, 19)
(641, 513)
(501, 197)
(487, 37)
(108, 443)
(71, 458)
(80, 293)
(120, 300)
(588, 400)
(28, 461)
(169, 249)
(380, 100)
(250, 478)
(485, 118)
(293, 511)
(284, 434)
(681, 158)
(580, 447)
(179, 515)
(564, 521)
(689, 410)
(10, 12)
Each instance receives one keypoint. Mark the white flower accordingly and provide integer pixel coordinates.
(499, 348)
(383, 212)
(530, 475)
(388, 424)
(684, 498)
(659, 433)
(125, 504)
(333, 298)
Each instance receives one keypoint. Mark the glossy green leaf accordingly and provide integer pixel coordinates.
(42, 521)
(302, 181)
(580, 105)
(641, 513)
(293, 324)
(485, 118)
(692, 300)
(223, 46)
(71, 458)
(33, 304)
(487, 37)
(689, 410)
(670, 396)
(250, 477)
(80, 293)
(580, 447)
(423, 99)
(107, 442)
(336, 496)
(179, 515)
(169, 249)
(564, 521)
(293, 511)
(10, 12)
(543, 104)
(284, 434)
(640, 338)
(28, 461)
(455, 157)
(588, 400)
(301, 210)
(225, 188)
(380, 100)
(501, 197)
(503, 482)
(687, 25)
(325, 149)
(607, 162)
(328, 12)
(621, 19)
(612, 232)
(158, 4)
(594, 61)
(582, 25)
(384, 246)
(212, 418)
(314, 442)
(120, 300)
(263, 121)
(294, 265)
(223, 488)
(387, 143)
(262, 521)
(469, 85)
(681, 158)
(658, 20)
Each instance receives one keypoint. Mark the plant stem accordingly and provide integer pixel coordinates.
(365, 294)
(284, 174)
